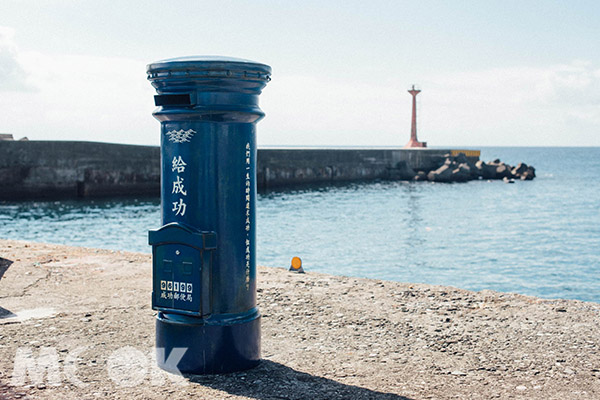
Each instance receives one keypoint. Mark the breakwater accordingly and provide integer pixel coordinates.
(284, 167)
(69, 169)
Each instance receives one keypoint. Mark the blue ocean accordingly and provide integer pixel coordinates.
(539, 237)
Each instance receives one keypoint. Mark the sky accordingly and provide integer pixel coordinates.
(492, 73)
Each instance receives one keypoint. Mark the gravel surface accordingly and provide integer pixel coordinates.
(82, 311)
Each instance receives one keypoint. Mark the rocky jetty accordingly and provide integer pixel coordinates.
(460, 169)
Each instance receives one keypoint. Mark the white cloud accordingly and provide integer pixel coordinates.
(516, 106)
(12, 75)
(109, 99)
(82, 98)
(554, 105)
(315, 110)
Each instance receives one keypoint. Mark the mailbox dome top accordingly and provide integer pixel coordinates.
(209, 66)
(205, 59)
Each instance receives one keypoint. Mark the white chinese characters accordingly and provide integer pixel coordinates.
(247, 192)
(178, 186)
(178, 164)
(179, 207)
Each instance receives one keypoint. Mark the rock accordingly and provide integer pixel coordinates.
(473, 170)
(531, 170)
(460, 169)
(486, 171)
(442, 174)
(461, 158)
(455, 169)
(503, 171)
(523, 172)
(420, 176)
(527, 176)
(462, 173)
(519, 169)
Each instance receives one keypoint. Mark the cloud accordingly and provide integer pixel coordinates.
(517, 106)
(81, 97)
(12, 74)
(320, 110)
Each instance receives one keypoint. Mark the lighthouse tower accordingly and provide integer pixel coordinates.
(413, 142)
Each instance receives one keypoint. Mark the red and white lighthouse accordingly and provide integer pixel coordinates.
(413, 142)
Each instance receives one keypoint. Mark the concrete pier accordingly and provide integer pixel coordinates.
(83, 317)
(285, 167)
(65, 169)
(70, 169)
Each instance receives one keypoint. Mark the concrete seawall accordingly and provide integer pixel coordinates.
(69, 169)
(52, 169)
(284, 167)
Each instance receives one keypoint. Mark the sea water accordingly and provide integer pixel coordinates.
(539, 237)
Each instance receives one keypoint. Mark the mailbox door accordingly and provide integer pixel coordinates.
(177, 278)
(182, 269)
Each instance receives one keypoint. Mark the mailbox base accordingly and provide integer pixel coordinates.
(211, 349)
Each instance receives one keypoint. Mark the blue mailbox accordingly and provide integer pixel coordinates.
(203, 257)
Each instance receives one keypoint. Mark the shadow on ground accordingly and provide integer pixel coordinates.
(271, 380)
(4, 264)
(4, 313)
